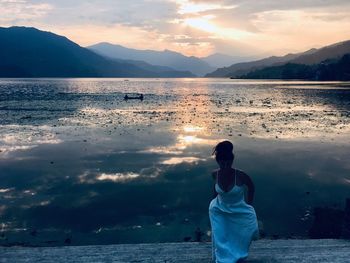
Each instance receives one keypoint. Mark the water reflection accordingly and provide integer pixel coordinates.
(179, 160)
(191, 129)
(24, 137)
(117, 177)
(106, 170)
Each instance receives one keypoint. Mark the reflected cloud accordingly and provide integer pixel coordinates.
(7, 150)
(46, 202)
(162, 150)
(150, 172)
(117, 177)
(29, 192)
(91, 177)
(24, 137)
(190, 128)
(346, 181)
(179, 160)
(182, 143)
(5, 190)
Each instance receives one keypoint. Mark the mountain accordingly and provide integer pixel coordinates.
(334, 51)
(239, 69)
(165, 58)
(310, 57)
(160, 70)
(29, 52)
(219, 60)
(331, 69)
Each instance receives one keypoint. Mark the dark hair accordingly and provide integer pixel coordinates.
(223, 151)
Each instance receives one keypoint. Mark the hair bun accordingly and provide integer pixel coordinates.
(224, 146)
(224, 151)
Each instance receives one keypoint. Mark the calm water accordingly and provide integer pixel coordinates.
(78, 161)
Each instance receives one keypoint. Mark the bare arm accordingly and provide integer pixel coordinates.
(214, 190)
(251, 188)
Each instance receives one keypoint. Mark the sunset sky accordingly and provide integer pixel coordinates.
(193, 27)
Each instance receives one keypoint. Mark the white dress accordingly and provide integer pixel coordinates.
(233, 223)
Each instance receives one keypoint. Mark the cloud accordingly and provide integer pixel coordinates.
(299, 29)
(13, 11)
(109, 13)
(193, 27)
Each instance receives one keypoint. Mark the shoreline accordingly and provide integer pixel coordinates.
(262, 251)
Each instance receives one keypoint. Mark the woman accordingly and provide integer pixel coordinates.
(233, 220)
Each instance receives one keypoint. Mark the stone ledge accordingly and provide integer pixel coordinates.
(262, 251)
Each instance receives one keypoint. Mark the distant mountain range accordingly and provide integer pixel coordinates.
(165, 58)
(264, 67)
(330, 69)
(219, 60)
(29, 52)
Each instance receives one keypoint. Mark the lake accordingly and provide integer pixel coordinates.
(80, 164)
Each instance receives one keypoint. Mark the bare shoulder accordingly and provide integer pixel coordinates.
(245, 178)
(240, 173)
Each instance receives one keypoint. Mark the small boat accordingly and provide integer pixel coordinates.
(137, 97)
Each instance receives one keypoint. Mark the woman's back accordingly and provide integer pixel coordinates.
(233, 223)
(233, 220)
(230, 194)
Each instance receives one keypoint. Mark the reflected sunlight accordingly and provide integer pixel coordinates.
(190, 128)
(182, 142)
(185, 141)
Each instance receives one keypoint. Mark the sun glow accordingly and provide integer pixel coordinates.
(202, 23)
(194, 16)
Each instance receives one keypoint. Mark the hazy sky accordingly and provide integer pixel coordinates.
(193, 27)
